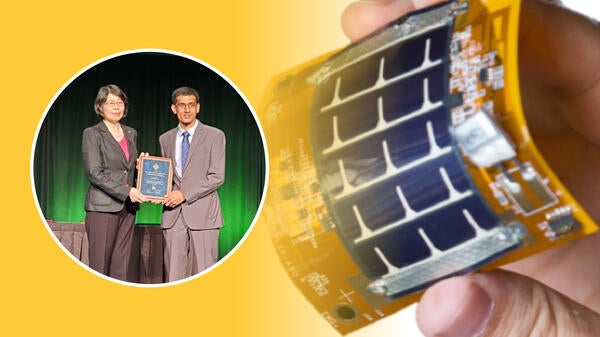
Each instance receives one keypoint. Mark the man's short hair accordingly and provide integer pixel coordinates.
(184, 91)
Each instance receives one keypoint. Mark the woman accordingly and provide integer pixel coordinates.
(109, 157)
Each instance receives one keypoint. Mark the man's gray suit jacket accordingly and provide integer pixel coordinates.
(203, 173)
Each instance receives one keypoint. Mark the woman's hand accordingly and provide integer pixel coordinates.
(137, 160)
(136, 196)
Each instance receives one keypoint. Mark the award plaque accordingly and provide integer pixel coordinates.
(155, 176)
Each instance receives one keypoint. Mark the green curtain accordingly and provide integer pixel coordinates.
(148, 80)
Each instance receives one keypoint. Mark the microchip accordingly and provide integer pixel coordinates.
(288, 191)
(455, 100)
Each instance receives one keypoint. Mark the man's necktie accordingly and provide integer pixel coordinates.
(185, 146)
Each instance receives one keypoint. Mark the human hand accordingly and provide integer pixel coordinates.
(156, 201)
(560, 89)
(173, 199)
(136, 196)
(137, 160)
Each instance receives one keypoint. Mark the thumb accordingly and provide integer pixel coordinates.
(501, 303)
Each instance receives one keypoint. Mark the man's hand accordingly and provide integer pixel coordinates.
(173, 199)
(560, 90)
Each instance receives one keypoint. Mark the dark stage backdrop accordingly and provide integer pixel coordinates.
(148, 80)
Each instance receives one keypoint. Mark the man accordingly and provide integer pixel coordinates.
(192, 211)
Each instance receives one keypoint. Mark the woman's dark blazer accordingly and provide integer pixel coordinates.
(110, 174)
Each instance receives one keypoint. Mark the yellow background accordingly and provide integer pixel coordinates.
(44, 45)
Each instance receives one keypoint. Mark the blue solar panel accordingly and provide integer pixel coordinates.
(396, 60)
(359, 77)
(393, 179)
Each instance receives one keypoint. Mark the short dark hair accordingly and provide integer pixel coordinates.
(184, 91)
(103, 93)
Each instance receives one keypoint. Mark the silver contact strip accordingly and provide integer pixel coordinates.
(487, 244)
(415, 25)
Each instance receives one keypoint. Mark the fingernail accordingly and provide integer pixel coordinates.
(456, 307)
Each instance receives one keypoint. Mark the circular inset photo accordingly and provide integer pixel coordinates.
(149, 167)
